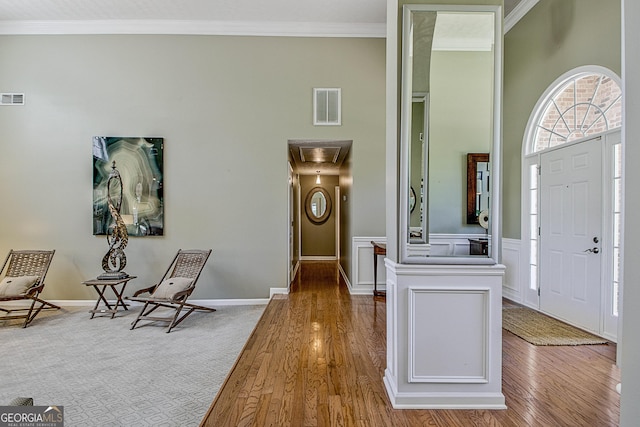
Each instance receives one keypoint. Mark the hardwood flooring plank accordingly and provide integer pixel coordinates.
(317, 358)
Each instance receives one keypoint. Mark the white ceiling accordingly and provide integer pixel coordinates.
(365, 18)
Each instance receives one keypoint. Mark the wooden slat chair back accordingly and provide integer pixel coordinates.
(187, 264)
(27, 263)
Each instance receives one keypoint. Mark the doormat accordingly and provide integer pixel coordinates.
(539, 329)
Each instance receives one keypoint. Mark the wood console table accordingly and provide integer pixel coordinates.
(378, 249)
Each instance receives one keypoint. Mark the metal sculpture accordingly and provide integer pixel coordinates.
(115, 260)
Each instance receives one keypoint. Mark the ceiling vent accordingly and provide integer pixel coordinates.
(12, 99)
(327, 106)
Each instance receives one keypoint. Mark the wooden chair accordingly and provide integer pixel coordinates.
(24, 280)
(173, 290)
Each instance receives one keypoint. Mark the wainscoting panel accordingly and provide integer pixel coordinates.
(513, 281)
(458, 353)
(362, 268)
(444, 329)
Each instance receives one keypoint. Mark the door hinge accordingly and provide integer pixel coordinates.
(538, 291)
(538, 231)
(539, 169)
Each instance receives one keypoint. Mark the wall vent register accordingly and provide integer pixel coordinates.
(327, 107)
(12, 99)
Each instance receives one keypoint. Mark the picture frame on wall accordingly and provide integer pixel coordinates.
(140, 163)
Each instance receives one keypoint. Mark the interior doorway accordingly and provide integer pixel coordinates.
(319, 184)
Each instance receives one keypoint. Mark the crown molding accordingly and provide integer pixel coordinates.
(518, 13)
(234, 28)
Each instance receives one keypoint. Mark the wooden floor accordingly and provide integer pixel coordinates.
(317, 358)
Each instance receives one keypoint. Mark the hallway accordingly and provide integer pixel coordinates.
(317, 358)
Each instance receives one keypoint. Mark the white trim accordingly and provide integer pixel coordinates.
(344, 276)
(438, 400)
(420, 253)
(318, 258)
(278, 291)
(295, 271)
(518, 13)
(338, 214)
(203, 302)
(230, 302)
(189, 27)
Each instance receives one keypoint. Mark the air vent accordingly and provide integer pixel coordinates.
(327, 106)
(12, 99)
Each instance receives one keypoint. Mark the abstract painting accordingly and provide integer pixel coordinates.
(139, 160)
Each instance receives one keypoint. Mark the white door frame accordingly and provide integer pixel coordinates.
(290, 215)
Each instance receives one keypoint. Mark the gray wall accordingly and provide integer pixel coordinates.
(226, 107)
(460, 122)
(553, 38)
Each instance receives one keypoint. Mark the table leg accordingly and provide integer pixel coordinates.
(375, 273)
(119, 300)
(100, 298)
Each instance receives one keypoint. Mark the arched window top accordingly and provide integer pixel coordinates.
(586, 101)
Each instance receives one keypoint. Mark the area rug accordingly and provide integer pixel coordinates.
(539, 329)
(105, 374)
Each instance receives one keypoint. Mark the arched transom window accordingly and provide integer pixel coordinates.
(585, 104)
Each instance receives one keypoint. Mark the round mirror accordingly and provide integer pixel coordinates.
(412, 200)
(318, 205)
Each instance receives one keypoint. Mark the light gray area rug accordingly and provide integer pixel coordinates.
(105, 374)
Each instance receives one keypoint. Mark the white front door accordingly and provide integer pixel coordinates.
(571, 233)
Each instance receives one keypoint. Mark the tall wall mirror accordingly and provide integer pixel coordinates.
(450, 119)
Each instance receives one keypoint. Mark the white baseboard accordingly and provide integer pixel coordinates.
(344, 276)
(229, 302)
(318, 258)
(277, 291)
(440, 400)
(203, 302)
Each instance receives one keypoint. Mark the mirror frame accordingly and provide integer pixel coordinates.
(307, 206)
(472, 172)
(418, 253)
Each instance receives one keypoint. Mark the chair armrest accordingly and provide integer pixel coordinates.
(142, 291)
(182, 294)
(35, 289)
